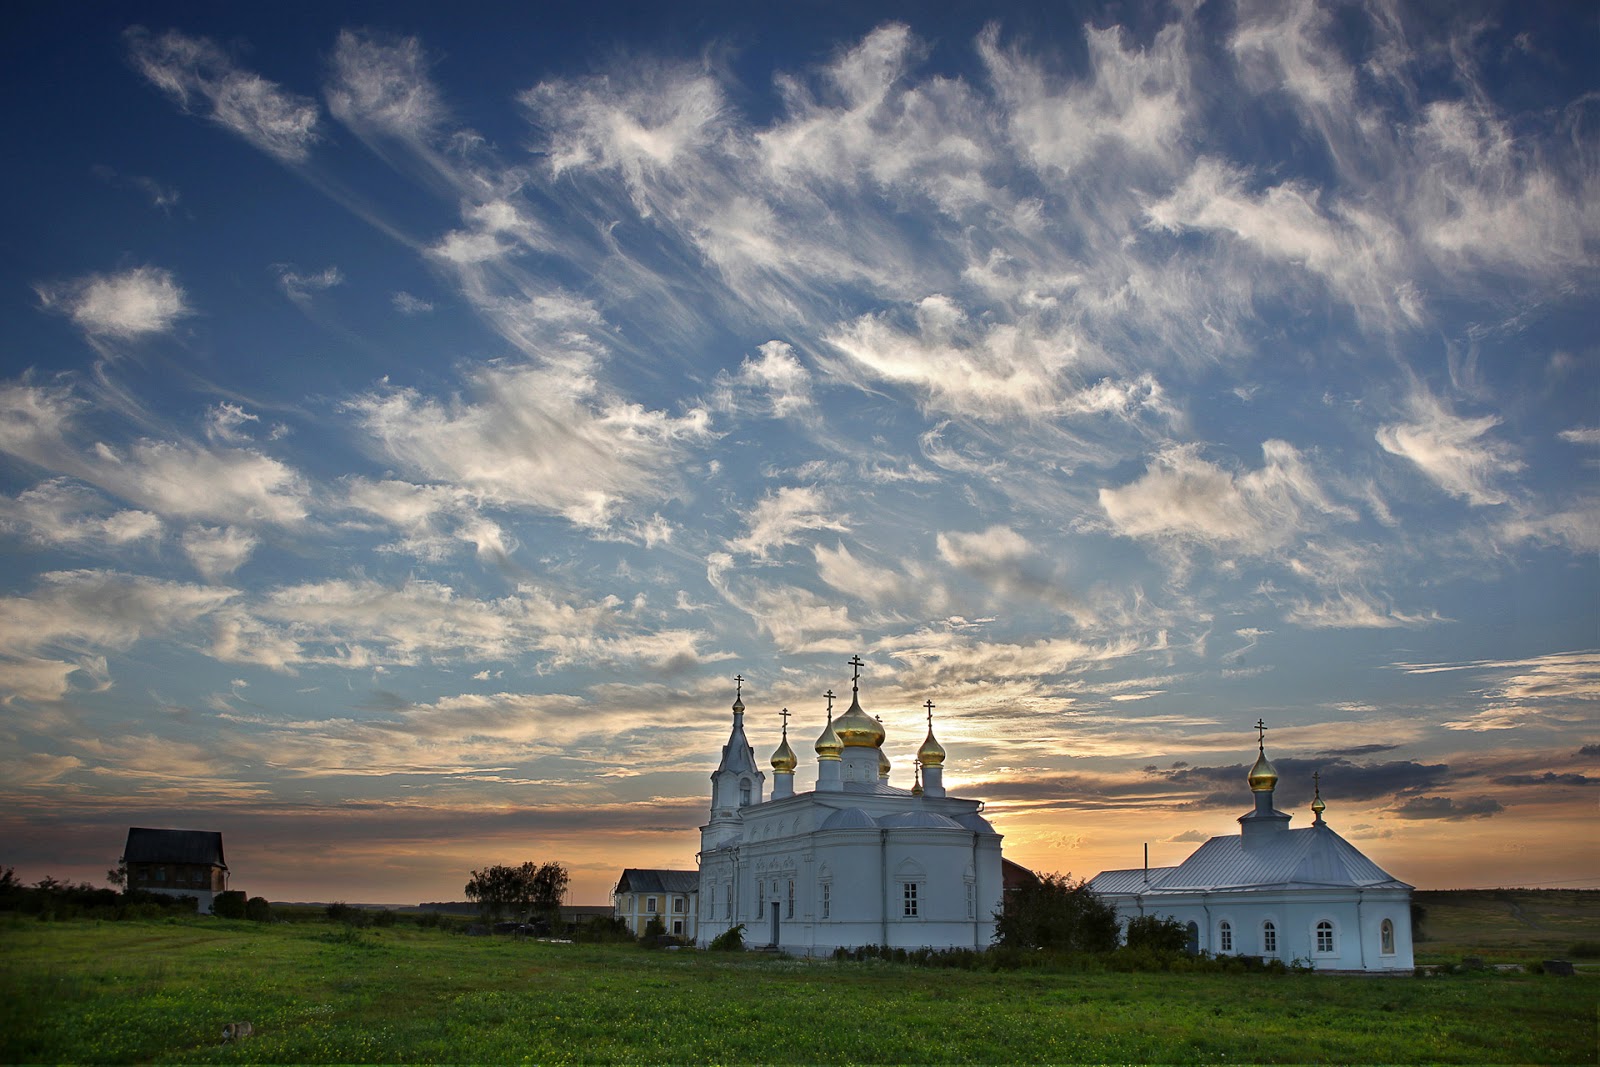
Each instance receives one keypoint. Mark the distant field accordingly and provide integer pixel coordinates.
(161, 990)
(1505, 925)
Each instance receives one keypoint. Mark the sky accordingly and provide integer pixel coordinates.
(414, 416)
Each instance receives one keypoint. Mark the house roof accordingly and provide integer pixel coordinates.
(647, 880)
(146, 845)
(1312, 858)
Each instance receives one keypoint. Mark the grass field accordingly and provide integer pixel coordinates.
(161, 990)
(1505, 925)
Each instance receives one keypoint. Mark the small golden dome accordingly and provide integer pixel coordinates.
(857, 729)
(783, 760)
(931, 754)
(1263, 778)
(883, 765)
(828, 744)
(1318, 806)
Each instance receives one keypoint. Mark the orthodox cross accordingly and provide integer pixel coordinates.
(785, 714)
(855, 677)
(1261, 740)
(1316, 783)
(739, 692)
(929, 706)
(829, 695)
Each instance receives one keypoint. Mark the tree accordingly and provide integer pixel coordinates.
(117, 877)
(1057, 913)
(520, 890)
(1158, 933)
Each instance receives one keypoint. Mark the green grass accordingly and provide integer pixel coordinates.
(1505, 925)
(160, 991)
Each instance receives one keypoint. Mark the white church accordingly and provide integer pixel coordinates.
(1278, 893)
(852, 861)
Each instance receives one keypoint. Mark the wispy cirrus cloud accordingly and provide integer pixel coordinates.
(1453, 452)
(202, 78)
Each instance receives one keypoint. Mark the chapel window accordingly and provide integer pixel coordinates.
(827, 898)
(1386, 937)
(910, 900)
(1324, 936)
(1269, 938)
(744, 793)
(1193, 945)
(1225, 936)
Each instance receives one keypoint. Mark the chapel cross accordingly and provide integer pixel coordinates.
(829, 695)
(739, 692)
(1261, 740)
(929, 706)
(855, 661)
(785, 714)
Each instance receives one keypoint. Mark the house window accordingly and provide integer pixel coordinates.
(827, 898)
(1324, 936)
(909, 897)
(1269, 938)
(1224, 936)
(789, 911)
(677, 905)
(677, 926)
(161, 874)
(1386, 937)
(650, 905)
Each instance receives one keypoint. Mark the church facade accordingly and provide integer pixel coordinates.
(854, 860)
(1277, 893)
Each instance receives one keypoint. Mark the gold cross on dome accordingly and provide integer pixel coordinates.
(929, 706)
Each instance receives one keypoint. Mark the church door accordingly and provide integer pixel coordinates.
(774, 924)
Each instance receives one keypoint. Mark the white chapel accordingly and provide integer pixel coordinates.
(1278, 893)
(854, 861)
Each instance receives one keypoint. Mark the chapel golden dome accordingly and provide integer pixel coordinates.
(931, 754)
(828, 744)
(884, 767)
(784, 760)
(857, 729)
(1263, 777)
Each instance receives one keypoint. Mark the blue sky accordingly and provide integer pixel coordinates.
(411, 421)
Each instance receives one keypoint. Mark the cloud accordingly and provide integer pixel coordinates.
(1448, 808)
(126, 306)
(226, 421)
(407, 304)
(549, 438)
(94, 610)
(381, 84)
(785, 380)
(1185, 498)
(1450, 450)
(1351, 610)
(218, 551)
(778, 517)
(63, 512)
(299, 287)
(200, 77)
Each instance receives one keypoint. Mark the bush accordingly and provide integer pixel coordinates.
(1157, 933)
(1585, 950)
(656, 927)
(258, 909)
(383, 917)
(229, 904)
(730, 940)
(1059, 914)
(340, 912)
(609, 930)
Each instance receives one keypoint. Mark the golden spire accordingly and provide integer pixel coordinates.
(931, 754)
(1263, 776)
(828, 744)
(1317, 806)
(857, 729)
(783, 760)
(916, 787)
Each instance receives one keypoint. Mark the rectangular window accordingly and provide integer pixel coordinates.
(789, 912)
(677, 905)
(650, 905)
(827, 898)
(910, 898)
(1269, 938)
(1225, 937)
(677, 926)
(161, 874)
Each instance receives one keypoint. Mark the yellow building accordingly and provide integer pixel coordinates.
(672, 896)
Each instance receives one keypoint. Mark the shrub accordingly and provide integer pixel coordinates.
(258, 909)
(340, 912)
(656, 927)
(730, 940)
(1585, 950)
(383, 917)
(229, 904)
(1057, 913)
(610, 930)
(1157, 933)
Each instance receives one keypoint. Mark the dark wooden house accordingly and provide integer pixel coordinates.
(182, 863)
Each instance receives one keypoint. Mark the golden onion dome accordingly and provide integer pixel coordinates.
(857, 729)
(828, 744)
(1319, 807)
(931, 754)
(784, 760)
(884, 766)
(1263, 778)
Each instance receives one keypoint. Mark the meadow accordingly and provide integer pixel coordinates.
(143, 991)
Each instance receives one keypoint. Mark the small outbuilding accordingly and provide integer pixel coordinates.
(1277, 893)
(643, 894)
(179, 863)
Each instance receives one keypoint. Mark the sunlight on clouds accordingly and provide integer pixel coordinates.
(1452, 451)
(383, 85)
(62, 512)
(778, 517)
(90, 609)
(218, 551)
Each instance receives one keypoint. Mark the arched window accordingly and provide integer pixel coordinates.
(1269, 938)
(1224, 936)
(1324, 936)
(1193, 947)
(744, 792)
(1386, 937)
